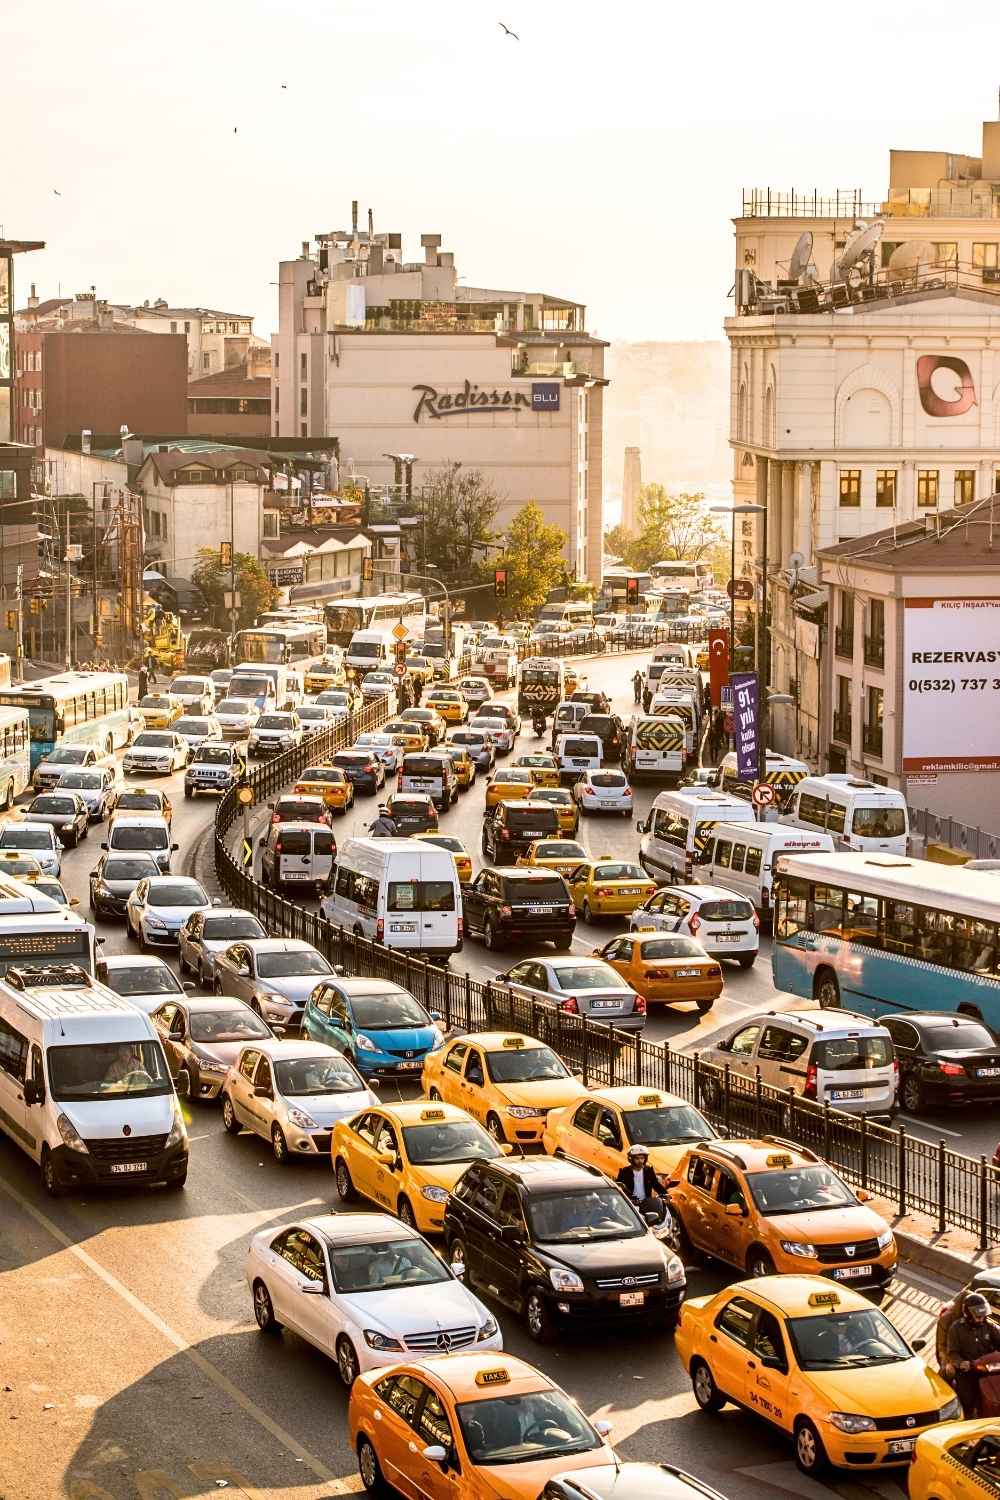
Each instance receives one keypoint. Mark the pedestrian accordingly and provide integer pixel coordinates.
(637, 685)
(151, 667)
(143, 682)
(706, 697)
(647, 699)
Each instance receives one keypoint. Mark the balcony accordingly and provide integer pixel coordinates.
(842, 728)
(843, 641)
(875, 651)
(871, 740)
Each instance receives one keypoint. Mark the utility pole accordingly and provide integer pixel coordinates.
(232, 558)
(19, 652)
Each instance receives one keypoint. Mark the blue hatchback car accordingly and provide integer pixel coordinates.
(375, 1023)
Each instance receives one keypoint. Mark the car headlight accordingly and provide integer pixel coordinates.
(847, 1421)
(884, 1239)
(178, 1130)
(271, 997)
(152, 921)
(792, 1247)
(434, 1194)
(209, 1064)
(951, 1412)
(100, 889)
(488, 1330)
(674, 1265)
(71, 1137)
(522, 1112)
(301, 1119)
(376, 1340)
(564, 1281)
(365, 1044)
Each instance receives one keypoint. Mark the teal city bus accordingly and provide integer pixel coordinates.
(73, 708)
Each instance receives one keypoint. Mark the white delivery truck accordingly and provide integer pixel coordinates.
(398, 892)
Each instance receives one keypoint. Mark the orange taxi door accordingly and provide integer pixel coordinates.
(472, 1095)
(362, 1161)
(610, 1143)
(699, 1207)
(395, 1433)
(730, 1234)
(729, 1347)
(767, 1372)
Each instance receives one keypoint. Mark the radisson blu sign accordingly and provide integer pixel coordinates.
(473, 400)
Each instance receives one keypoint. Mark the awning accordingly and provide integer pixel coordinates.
(817, 600)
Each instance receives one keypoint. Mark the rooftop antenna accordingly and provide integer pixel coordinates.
(861, 242)
(908, 258)
(799, 262)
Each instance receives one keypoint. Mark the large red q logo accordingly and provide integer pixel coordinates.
(935, 405)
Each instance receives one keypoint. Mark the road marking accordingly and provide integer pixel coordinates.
(204, 1366)
(936, 1129)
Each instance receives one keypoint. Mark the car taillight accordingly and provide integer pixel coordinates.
(570, 1006)
(275, 818)
(627, 792)
(379, 930)
(605, 890)
(951, 1069)
(640, 1005)
(506, 911)
(277, 846)
(756, 921)
(809, 1092)
(694, 922)
(461, 927)
(505, 833)
(571, 910)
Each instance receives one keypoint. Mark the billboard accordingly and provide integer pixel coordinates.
(746, 724)
(951, 685)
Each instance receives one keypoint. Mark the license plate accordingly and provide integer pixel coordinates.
(851, 1273)
(532, 833)
(988, 1072)
(631, 1299)
(727, 937)
(295, 875)
(404, 926)
(901, 1445)
(847, 1093)
(580, 762)
(608, 802)
(121, 1167)
(688, 973)
(544, 911)
(410, 1067)
(605, 1005)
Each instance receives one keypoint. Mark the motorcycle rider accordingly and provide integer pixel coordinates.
(639, 1182)
(971, 1336)
(538, 722)
(384, 826)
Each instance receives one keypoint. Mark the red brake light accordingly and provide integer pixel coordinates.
(952, 1069)
(379, 930)
(640, 1005)
(756, 921)
(505, 833)
(506, 911)
(809, 1092)
(694, 922)
(461, 927)
(570, 1006)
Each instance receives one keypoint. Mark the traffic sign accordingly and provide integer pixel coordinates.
(400, 632)
(247, 852)
(400, 669)
(244, 794)
(763, 794)
(740, 588)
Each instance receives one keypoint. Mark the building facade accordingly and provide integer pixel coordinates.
(235, 402)
(397, 357)
(194, 500)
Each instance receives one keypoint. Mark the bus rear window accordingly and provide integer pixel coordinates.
(879, 822)
(421, 895)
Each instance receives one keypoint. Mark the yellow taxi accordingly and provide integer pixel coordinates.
(421, 668)
(328, 782)
(429, 721)
(159, 710)
(606, 887)
(702, 659)
(449, 703)
(506, 1081)
(957, 1461)
(472, 1426)
(666, 967)
(601, 1129)
(457, 850)
(543, 767)
(465, 766)
(325, 674)
(508, 785)
(767, 1205)
(407, 1157)
(553, 854)
(141, 799)
(817, 1361)
(411, 736)
(561, 798)
(574, 678)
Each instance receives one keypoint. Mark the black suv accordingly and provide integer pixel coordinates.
(507, 905)
(514, 825)
(609, 729)
(557, 1241)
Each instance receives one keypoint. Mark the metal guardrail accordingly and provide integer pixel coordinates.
(955, 1190)
(977, 843)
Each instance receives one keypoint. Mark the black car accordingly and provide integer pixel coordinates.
(558, 1242)
(944, 1058)
(609, 729)
(66, 812)
(504, 906)
(634, 1481)
(115, 877)
(364, 771)
(514, 825)
(599, 702)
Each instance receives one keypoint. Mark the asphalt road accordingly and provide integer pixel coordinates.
(130, 1365)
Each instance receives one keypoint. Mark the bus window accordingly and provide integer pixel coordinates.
(975, 946)
(862, 918)
(793, 911)
(829, 909)
(900, 927)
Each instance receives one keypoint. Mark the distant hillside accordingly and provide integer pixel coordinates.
(672, 401)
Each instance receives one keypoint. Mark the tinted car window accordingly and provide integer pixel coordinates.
(546, 819)
(545, 891)
(292, 841)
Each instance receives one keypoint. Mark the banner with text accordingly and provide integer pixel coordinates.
(718, 664)
(746, 726)
(951, 685)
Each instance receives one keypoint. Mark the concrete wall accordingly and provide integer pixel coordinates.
(102, 380)
(201, 515)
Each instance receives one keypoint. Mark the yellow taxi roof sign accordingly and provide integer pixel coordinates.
(824, 1299)
(432, 1114)
(649, 1099)
(492, 1377)
(779, 1160)
(513, 1041)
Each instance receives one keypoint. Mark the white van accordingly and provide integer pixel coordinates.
(858, 814)
(656, 747)
(678, 828)
(368, 651)
(782, 772)
(677, 705)
(578, 753)
(398, 892)
(297, 854)
(85, 1089)
(148, 834)
(741, 857)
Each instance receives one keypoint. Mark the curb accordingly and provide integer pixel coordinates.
(946, 1265)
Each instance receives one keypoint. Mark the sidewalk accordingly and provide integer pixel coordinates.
(953, 1256)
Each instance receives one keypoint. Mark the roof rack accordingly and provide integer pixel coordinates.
(728, 1153)
(48, 977)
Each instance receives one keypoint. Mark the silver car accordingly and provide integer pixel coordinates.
(292, 1093)
(206, 934)
(158, 907)
(37, 840)
(203, 1036)
(95, 784)
(579, 987)
(143, 979)
(197, 730)
(275, 976)
(236, 717)
(49, 770)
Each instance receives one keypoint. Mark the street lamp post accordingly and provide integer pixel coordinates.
(426, 578)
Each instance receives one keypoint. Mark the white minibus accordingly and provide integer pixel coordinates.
(678, 828)
(859, 814)
(741, 857)
(400, 893)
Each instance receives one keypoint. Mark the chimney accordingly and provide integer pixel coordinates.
(85, 440)
(354, 217)
(431, 245)
(305, 249)
(33, 297)
(371, 224)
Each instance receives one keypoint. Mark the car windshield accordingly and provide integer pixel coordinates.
(726, 911)
(189, 686)
(559, 849)
(52, 805)
(214, 755)
(385, 1266)
(410, 807)
(582, 749)
(227, 1025)
(524, 1065)
(958, 1038)
(666, 1126)
(620, 872)
(879, 822)
(136, 801)
(525, 1429)
(593, 1213)
(558, 796)
(593, 976)
(149, 979)
(298, 1076)
(387, 1012)
(177, 893)
(13, 837)
(192, 726)
(671, 947)
(235, 706)
(129, 869)
(450, 1141)
(150, 740)
(67, 756)
(287, 965)
(842, 1341)
(134, 836)
(222, 929)
(274, 721)
(799, 1190)
(81, 780)
(108, 1070)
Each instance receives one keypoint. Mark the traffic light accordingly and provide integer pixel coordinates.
(500, 582)
(226, 554)
(631, 591)
(367, 569)
(37, 605)
(12, 619)
(400, 650)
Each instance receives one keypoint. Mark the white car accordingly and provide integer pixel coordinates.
(157, 750)
(364, 1272)
(604, 790)
(376, 685)
(159, 906)
(383, 746)
(236, 717)
(197, 730)
(195, 694)
(144, 980)
(315, 717)
(309, 1088)
(499, 732)
(724, 923)
(94, 784)
(274, 733)
(343, 701)
(36, 840)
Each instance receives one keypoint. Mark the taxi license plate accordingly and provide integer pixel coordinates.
(532, 833)
(851, 1273)
(410, 1067)
(847, 1093)
(988, 1072)
(901, 1445)
(121, 1167)
(688, 973)
(631, 1299)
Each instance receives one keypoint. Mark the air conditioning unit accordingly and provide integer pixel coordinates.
(991, 274)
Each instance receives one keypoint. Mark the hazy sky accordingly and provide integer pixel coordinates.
(601, 157)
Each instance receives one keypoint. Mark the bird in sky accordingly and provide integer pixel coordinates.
(57, 192)
(508, 31)
(234, 130)
(284, 85)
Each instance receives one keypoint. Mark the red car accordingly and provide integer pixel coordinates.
(300, 808)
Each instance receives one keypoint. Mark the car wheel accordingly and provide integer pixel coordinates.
(217, 986)
(346, 1191)
(371, 1470)
(826, 993)
(704, 1006)
(229, 1119)
(746, 960)
(759, 1263)
(263, 1309)
(706, 1392)
(458, 1255)
(404, 1211)
(810, 1455)
(490, 935)
(538, 1317)
(585, 911)
(279, 1145)
(495, 1128)
(911, 1095)
(348, 1367)
(50, 1180)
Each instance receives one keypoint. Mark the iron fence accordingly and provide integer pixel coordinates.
(914, 1174)
(977, 843)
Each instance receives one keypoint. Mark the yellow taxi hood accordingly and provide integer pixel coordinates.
(664, 1159)
(882, 1390)
(831, 1226)
(527, 1480)
(542, 1093)
(444, 1175)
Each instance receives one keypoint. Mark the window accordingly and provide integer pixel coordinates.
(173, 326)
(965, 486)
(13, 1051)
(885, 487)
(304, 366)
(403, 1395)
(768, 1343)
(206, 361)
(586, 1117)
(701, 1173)
(850, 487)
(793, 908)
(455, 1057)
(723, 853)
(984, 256)
(303, 429)
(753, 862)
(739, 855)
(303, 402)
(828, 909)
(778, 1044)
(434, 1427)
(744, 1041)
(736, 1320)
(474, 1069)
(946, 252)
(608, 1130)
(277, 398)
(927, 487)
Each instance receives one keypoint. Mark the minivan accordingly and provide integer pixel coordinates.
(368, 650)
(678, 826)
(578, 753)
(741, 856)
(433, 773)
(85, 1089)
(147, 835)
(858, 814)
(299, 854)
(398, 892)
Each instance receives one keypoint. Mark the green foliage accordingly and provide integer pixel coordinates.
(534, 561)
(459, 510)
(255, 589)
(671, 527)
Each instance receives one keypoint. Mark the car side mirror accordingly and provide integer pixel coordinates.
(104, 846)
(435, 1454)
(641, 826)
(174, 848)
(182, 1085)
(511, 1235)
(34, 1092)
(187, 985)
(602, 1427)
(311, 1288)
(507, 1149)
(770, 1362)
(263, 1092)
(917, 1344)
(387, 1159)
(735, 1211)
(279, 1030)
(458, 1269)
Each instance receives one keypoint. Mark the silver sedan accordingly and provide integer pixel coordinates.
(292, 1093)
(579, 987)
(275, 976)
(206, 934)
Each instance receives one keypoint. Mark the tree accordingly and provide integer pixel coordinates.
(255, 589)
(671, 528)
(617, 542)
(458, 510)
(534, 560)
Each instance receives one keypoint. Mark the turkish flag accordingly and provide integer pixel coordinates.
(718, 663)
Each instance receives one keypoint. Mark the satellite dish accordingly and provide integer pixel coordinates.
(909, 257)
(800, 256)
(796, 559)
(861, 241)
